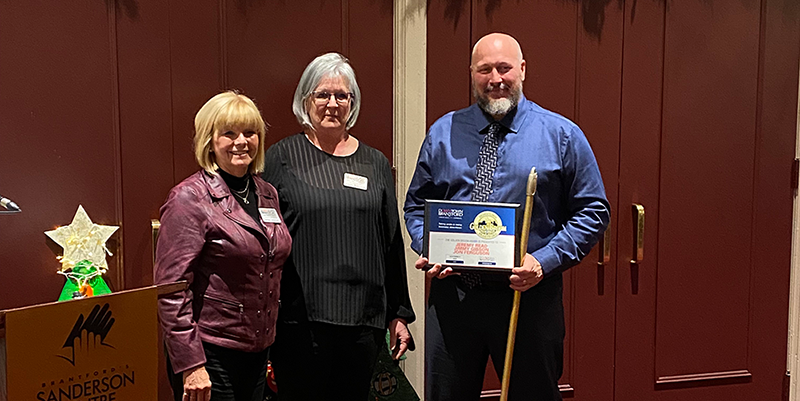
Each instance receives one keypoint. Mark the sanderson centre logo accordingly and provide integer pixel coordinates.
(85, 349)
(101, 349)
(88, 334)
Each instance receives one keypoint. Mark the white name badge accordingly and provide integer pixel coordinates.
(355, 181)
(269, 215)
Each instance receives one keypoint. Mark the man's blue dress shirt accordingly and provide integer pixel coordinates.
(570, 210)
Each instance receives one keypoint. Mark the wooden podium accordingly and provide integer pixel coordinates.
(102, 348)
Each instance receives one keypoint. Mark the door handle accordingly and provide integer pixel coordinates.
(638, 233)
(155, 225)
(605, 249)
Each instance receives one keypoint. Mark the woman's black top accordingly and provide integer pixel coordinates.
(347, 264)
(243, 188)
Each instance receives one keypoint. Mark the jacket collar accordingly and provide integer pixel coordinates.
(216, 185)
(220, 192)
(218, 189)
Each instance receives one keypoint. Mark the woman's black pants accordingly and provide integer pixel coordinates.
(321, 362)
(235, 375)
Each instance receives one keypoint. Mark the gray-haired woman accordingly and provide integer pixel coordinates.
(345, 282)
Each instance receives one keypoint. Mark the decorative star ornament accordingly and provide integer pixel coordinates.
(83, 240)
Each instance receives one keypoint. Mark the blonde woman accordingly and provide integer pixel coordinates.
(222, 232)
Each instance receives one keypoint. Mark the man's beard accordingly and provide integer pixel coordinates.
(500, 106)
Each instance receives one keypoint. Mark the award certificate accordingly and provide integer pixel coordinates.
(471, 235)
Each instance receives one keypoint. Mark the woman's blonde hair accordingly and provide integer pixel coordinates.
(225, 110)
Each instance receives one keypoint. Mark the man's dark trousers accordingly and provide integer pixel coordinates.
(464, 326)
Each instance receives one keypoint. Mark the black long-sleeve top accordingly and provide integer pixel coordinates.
(347, 265)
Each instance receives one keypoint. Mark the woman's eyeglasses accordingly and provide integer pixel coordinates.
(322, 97)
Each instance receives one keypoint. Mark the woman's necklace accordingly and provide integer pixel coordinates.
(243, 194)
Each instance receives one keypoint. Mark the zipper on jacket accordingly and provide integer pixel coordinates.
(225, 301)
(271, 244)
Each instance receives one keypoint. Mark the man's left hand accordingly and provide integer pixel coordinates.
(526, 276)
(399, 338)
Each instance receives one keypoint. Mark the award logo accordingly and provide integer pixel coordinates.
(487, 225)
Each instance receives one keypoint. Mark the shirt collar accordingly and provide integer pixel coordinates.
(511, 121)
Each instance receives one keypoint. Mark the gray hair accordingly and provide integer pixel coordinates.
(326, 65)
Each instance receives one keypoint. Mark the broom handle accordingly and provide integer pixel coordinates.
(523, 247)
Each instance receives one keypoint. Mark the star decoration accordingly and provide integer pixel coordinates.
(83, 240)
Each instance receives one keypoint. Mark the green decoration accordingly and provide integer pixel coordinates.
(389, 382)
(83, 272)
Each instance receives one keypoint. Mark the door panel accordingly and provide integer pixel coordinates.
(772, 234)
(597, 104)
(546, 32)
(265, 52)
(691, 111)
(59, 143)
(706, 190)
(196, 74)
(369, 47)
(261, 49)
(572, 71)
(640, 135)
(689, 326)
(448, 58)
(268, 45)
(573, 56)
(144, 125)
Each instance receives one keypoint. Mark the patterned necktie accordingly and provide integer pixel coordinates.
(487, 163)
(484, 173)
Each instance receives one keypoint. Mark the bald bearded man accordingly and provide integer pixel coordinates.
(484, 153)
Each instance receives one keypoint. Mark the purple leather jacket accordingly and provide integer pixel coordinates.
(233, 267)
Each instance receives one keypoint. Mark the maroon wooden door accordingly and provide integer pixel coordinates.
(574, 57)
(708, 135)
(691, 111)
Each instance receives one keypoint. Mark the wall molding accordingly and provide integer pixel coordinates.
(410, 57)
(223, 44)
(793, 346)
(702, 377)
(117, 273)
(566, 390)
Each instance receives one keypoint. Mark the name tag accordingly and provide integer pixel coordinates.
(355, 181)
(269, 215)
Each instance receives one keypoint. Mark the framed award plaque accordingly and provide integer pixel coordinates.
(471, 236)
